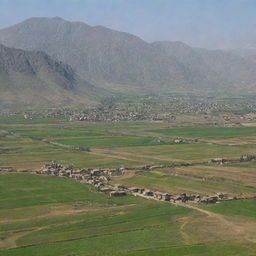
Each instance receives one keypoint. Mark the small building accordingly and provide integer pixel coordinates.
(117, 193)
(148, 192)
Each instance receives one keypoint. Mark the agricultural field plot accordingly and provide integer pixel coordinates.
(30, 144)
(245, 208)
(177, 180)
(60, 128)
(111, 141)
(186, 152)
(251, 140)
(217, 135)
(44, 215)
(58, 216)
(209, 132)
(35, 160)
(244, 174)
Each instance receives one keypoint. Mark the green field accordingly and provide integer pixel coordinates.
(57, 216)
(246, 208)
(199, 152)
(29, 143)
(209, 132)
(114, 141)
(43, 215)
(160, 181)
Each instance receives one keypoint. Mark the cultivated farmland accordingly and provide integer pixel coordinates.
(44, 215)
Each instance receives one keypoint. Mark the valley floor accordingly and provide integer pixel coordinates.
(44, 215)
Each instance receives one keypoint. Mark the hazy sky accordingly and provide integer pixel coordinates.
(201, 23)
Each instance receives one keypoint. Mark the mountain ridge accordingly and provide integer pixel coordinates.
(123, 62)
(33, 78)
(104, 55)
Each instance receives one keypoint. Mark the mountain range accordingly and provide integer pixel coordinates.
(100, 61)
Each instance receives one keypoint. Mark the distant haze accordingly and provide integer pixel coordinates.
(199, 23)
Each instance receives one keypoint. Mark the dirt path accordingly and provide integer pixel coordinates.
(58, 212)
(55, 143)
(10, 241)
(52, 213)
(247, 232)
(117, 156)
(94, 152)
(126, 175)
(133, 156)
(185, 235)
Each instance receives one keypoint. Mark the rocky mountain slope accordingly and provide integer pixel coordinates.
(124, 62)
(215, 69)
(33, 78)
(103, 55)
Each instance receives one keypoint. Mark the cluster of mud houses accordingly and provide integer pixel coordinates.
(97, 177)
(152, 108)
(243, 158)
(183, 197)
(100, 179)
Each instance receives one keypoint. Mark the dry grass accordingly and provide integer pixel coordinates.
(245, 175)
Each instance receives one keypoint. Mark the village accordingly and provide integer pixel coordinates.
(153, 108)
(100, 179)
